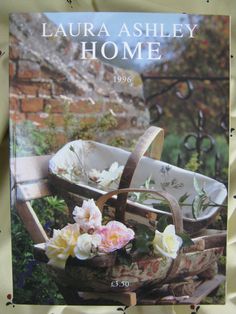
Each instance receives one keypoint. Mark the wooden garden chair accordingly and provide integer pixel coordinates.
(30, 182)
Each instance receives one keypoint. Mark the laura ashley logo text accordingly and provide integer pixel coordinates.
(94, 39)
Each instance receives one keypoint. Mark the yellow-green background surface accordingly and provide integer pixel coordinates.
(221, 7)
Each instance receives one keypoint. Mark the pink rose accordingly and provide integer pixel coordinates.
(114, 236)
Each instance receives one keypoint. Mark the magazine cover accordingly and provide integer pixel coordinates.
(119, 158)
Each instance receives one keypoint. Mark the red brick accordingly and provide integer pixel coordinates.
(14, 52)
(14, 104)
(13, 89)
(94, 67)
(59, 90)
(38, 118)
(32, 105)
(43, 118)
(56, 75)
(57, 106)
(123, 123)
(12, 70)
(17, 116)
(50, 75)
(24, 88)
(31, 88)
(85, 106)
(14, 40)
(87, 120)
(29, 69)
(115, 107)
(61, 139)
(45, 89)
(79, 92)
(58, 119)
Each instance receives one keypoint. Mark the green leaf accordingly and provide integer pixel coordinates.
(162, 206)
(124, 258)
(71, 148)
(148, 182)
(162, 223)
(198, 189)
(144, 231)
(136, 195)
(143, 197)
(140, 197)
(143, 238)
(198, 205)
(141, 245)
(187, 241)
(183, 198)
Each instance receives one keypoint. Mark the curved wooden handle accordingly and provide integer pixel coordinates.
(174, 206)
(154, 136)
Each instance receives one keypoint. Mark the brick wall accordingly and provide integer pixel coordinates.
(45, 75)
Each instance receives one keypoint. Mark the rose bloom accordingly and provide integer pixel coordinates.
(88, 216)
(62, 245)
(167, 243)
(87, 246)
(114, 236)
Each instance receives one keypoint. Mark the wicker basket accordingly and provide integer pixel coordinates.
(105, 274)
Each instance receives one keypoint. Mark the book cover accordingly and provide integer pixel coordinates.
(119, 158)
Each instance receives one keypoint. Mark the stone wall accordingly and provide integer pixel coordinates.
(47, 74)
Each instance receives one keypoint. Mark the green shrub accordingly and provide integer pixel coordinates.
(173, 147)
(32, 283)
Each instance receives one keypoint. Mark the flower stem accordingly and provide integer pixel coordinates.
(208, 205)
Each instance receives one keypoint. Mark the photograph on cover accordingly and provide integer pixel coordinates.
(119, 158)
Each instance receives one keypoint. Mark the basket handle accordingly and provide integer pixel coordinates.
(154, 136)
(174, 206)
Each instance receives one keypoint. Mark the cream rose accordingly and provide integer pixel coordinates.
(167, 243)
(88, 216)
(87, 246)
(62, 245)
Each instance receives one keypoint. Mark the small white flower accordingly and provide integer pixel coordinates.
(94, 175)
(113, 174)
(43, 115)
(87, 246)
(167, 243)
(88, 216)
(66, 98)
(106, 177)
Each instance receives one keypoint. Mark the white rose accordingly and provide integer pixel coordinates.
(87, 246)
(167, 243)
(88, 216)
